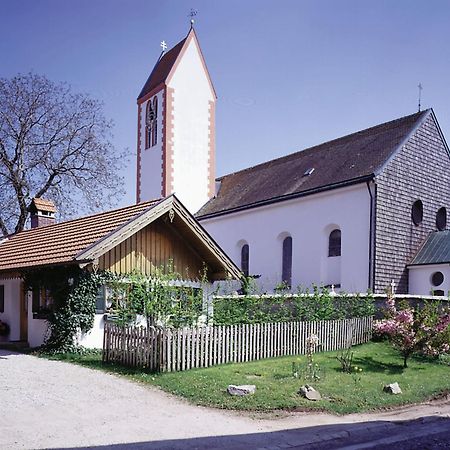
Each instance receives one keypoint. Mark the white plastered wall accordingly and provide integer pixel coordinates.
(420, 279)
(192, 94)
(11, 314)
(309, 221)
(151, 158)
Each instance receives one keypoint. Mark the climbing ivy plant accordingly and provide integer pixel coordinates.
(162, 300)
(74, 292)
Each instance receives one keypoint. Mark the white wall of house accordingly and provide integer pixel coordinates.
(11, 314)
(94, 337)
(37, 328)
(309, 220)
(191, 129)
(151, 158)
(420, 279)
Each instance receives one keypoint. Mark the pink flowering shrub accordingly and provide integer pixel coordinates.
(423, 330)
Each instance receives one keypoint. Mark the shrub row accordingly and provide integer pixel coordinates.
(319, 305)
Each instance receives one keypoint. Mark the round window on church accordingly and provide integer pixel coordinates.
(441, 219)
(437, 278)
(417, 212)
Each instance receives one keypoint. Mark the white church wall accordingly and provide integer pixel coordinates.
(191, 121)
(420, 279)
(151, 158)
(11, 313)
(309, 220)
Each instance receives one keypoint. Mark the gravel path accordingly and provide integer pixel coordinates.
(52, 404)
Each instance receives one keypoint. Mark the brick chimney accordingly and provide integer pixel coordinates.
(42, 212)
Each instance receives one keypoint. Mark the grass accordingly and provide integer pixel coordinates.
(276, 388)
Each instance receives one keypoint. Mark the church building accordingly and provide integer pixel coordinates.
(357, 212)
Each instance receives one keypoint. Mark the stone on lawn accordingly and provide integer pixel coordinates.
(392, 388)
(309, 392)
(244, 389)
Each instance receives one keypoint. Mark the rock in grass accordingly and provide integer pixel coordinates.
(309, 392)
(245, 389)
(392, 388)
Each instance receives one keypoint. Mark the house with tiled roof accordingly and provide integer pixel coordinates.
(350, 213)
(148, 238)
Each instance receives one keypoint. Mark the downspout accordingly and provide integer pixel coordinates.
(371, 282)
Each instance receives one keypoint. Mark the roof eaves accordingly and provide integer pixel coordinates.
(203, 235)
(124, 231)
(286, 197)
(441, 134)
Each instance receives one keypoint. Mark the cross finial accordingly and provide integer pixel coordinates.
(192, 14)
(163, 46)
(393, 287)
(420, 94)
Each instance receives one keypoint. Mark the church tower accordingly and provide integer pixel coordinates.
(176, 128)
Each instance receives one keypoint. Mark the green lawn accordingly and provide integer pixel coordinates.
(276, 388)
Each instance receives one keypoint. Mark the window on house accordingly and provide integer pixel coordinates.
(2, 298)
(441, 219)
(437, 278)
(245, 255)
(417, 212)
(155, 122)
(438, 292)
(287, 261)
(149, 123)
(334, 243)
(100, 301)
(42, 300)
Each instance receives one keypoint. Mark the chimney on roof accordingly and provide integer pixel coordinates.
(42, 212)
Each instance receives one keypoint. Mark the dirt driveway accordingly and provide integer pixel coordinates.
(51, 404)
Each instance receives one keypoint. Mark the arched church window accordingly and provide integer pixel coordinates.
(149, 122)
(334, 243)
(287, 261)
(441, 219)
(417, 212)
(245, 255)
(155, 122)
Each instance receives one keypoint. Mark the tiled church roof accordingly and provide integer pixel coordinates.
(162, 69)
(351, 158)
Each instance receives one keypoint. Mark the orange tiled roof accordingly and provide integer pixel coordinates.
(61, 242)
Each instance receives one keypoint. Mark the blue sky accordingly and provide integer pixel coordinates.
(288, 74)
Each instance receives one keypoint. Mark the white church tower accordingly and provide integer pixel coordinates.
(176, 128)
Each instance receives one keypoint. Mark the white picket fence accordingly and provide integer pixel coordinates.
(167, 350)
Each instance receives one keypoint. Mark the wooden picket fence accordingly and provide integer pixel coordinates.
(167, 350)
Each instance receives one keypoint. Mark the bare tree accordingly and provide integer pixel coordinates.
(54, 143)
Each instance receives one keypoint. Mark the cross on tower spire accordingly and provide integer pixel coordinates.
(420, 94)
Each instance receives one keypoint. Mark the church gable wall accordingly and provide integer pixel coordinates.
(420, 171)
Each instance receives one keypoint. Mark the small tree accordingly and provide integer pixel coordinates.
(53, 143)
(423, 330)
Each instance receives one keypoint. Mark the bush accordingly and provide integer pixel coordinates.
(424, 330)
(305, 306)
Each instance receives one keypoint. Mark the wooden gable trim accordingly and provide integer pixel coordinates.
(125, 231)
(201, 234)
(150, 215)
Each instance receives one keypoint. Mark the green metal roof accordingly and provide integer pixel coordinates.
(435, 250)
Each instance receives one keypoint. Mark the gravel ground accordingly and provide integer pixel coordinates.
(52, 404)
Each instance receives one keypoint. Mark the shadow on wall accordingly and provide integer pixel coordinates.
(385, 433)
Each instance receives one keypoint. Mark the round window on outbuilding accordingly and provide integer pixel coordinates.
(417, 212)
(437, 278)
(441, 219)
